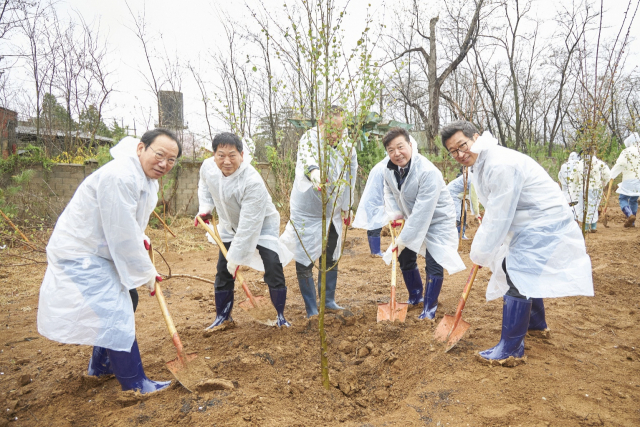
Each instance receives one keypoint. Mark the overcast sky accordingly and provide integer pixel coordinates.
(191, 28)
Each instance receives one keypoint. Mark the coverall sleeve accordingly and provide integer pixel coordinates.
(391, 207)
(417, 224)
(505, 184)
(117, 202)
(252, 213)
(347, 201)
(205, 199)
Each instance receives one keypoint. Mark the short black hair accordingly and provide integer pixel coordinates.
(468, 129)
(334, 110)
(393, 134)
(151, 135)
(227, 138)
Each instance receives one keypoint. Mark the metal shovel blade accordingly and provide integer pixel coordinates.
(457, 334)
(191, 371)
(386, 313)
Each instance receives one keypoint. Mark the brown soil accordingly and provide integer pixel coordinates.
(586, 373)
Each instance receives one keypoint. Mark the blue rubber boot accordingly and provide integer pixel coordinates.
(537, 321)
(127, 367)
(308, 291)
(374, 245)
(431, 293)
(278, 298)
(330, 296)
(224, 305)
(413, 282)
(99, 364)
(515, 322)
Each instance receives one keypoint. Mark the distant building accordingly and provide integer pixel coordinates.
(8, 123)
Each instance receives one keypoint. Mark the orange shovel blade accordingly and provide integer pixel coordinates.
(260, 302)
(386, 313)
(457, 334)
(444, 328)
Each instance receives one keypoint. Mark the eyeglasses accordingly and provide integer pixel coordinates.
(462, 148)
(160, 157)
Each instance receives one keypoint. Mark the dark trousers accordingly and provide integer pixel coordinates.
(408, 261)
(374, 233)
(273, 274)
(332, 242)
(513, 291)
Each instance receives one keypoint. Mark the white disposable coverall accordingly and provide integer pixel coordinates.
(528, 221)
(567, 178)
(306, 203)
(599, 177)
(247, 215)
(427, 207)
(370, 214)
(628, 164)
(96, 254)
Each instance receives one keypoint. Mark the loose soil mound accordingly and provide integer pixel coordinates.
(587, 372)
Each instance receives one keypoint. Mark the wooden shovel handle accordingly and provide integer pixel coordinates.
(165, 313)
(213, 232)
(164, 224)
(465, 295)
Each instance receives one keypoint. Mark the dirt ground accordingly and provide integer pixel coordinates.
(382, 374)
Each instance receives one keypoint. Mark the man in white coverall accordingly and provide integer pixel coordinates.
(528, 236)
(249, 224)
(97, 258)
(414, 190)
(598, 179)
(628, 164)
(305, 240)
(370, 214)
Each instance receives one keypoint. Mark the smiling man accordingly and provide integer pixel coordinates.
(249, 225)
(528, 236)
(414, 190)
(97, 258)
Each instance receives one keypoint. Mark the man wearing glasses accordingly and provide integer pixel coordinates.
(414, 190)
(528, 236)
(97, 257)
(249, 225)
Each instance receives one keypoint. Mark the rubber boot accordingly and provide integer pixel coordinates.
(278, 298)
(431, 293)
(224, 305)
(374, 245)
(631, 218)
(515, 322)
(308, 291)
(413, 282)
(127, 367)
(537, 322)
(330, 296)
(99, 364)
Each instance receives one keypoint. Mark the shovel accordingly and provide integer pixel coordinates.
(252, 302)
(452, 328)
(605, 220)
(393, 310)
(187, 368)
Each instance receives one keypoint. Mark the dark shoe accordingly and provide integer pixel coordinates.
(308, 291)
(278, 298)
(374, 245)
(224, 305)
(99, 364)
(516, 314)
(413, 282)
(431, 293)
(127, 367)
(330, 296)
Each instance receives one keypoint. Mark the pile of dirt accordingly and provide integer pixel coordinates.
(586, 373)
